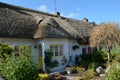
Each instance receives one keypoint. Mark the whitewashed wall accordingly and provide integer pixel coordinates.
(46, 42)
(20, 41)
(68, 51)
(78, 51)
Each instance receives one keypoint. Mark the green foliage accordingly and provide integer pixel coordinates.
(80, 70)
(115, 54)
(92, 66)
(117, 59)
(17, 68)
(5, 49)
(113, 73)
(88, 75)
(48, 57)
(97, 57)
(49, 63)
(77, 57)
(93, 59)
(43, 77)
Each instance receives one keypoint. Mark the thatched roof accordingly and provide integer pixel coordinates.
(18, 22)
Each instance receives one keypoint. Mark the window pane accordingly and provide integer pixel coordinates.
(89, 49)
(83, 50)
(56, 53)
(57, 49)
(60, 50)
(51, 47)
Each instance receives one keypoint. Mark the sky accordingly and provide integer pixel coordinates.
(95, 10)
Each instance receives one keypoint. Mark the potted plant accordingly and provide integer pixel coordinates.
(68, 69)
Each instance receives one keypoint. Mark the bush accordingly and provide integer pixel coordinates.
(115, 54)
(18, 68)
(97, 58)
(113, 73)
(49, 63)
(43, 77)
(79, 69)
(5, 50)
(88, 75)
(116, 59)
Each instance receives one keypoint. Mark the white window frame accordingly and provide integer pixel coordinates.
(57, 49)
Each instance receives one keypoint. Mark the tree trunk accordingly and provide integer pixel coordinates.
(109, 61)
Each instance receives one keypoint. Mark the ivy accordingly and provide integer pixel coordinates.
(49, 63)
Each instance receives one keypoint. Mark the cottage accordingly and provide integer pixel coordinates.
(39, 31)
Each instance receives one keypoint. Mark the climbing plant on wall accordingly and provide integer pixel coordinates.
(49, 63)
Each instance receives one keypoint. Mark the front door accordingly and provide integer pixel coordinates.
(40, 56)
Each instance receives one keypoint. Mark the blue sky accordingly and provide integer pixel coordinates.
(95, 10)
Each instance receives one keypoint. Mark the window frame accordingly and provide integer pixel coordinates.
(84, 51)
(57, 49)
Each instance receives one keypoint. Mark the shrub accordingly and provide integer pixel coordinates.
(93, 59)
(43, 77)
(76, 69)
(18, 68)
(88, 75)
(77, 57)
(80, 70)
(49, 63)
(92, 66)
(113, 73)
(115, 54)
(5, 50)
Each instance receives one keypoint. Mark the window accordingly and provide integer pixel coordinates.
(57, 49)
(83, 50)
(89, 50)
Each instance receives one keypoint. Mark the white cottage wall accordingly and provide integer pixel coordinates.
(48, 41)
(78, 51)
(68, 51)
(21, 41)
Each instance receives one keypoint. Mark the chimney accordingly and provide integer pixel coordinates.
(93, 23)
(57, 13)
(85, 19)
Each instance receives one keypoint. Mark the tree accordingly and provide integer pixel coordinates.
(105, 35)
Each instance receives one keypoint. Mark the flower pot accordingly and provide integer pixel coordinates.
(68, 70)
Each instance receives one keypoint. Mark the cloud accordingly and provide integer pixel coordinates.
(42, 8)
(72, 15)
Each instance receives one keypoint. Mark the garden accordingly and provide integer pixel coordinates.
(103, 63)
(85, 67)
(22, 66)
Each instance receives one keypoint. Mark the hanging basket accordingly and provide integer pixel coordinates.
(75, 47)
